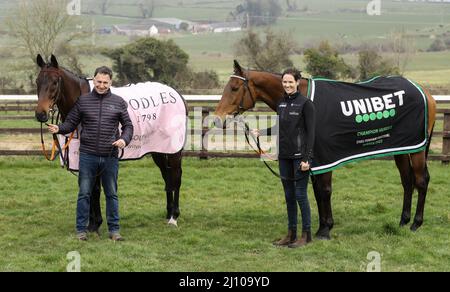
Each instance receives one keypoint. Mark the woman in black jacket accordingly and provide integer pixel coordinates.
(296, 125)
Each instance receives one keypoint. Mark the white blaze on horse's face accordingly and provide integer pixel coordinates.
(289, 84)
(102, 83)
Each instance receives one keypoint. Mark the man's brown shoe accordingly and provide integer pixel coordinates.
(82, 236)
(116, 236)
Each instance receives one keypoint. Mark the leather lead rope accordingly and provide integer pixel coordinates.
(261, 152)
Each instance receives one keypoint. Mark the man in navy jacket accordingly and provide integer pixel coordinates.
(99, 113)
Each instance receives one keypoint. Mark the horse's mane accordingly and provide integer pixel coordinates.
(263, 71)
(75, 74)
(273, 73)
(69, 71)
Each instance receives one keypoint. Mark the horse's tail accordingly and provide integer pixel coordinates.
(429, 142)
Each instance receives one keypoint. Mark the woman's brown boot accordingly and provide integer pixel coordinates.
(288, 239)
(304, 240)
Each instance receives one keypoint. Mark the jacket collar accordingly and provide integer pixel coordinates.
(291, 96)
(106, 94)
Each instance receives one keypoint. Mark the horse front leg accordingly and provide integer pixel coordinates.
(403, 164)
(322, 193)
(422, 179)
(95, 212)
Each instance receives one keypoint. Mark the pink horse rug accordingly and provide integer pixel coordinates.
(159, 117)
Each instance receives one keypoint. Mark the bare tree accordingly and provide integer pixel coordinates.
(38, 24)
(147, 7)
(291, 5)
(104, 5)
(403, 48)
(269, 52)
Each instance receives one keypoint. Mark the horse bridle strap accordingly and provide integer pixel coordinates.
(51, 70)
(241, 104)
(260, 152)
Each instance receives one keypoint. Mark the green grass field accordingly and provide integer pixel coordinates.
(231, 210)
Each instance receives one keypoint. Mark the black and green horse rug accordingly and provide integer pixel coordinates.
(375, 118)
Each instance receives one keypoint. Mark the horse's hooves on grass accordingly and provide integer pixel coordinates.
(323, 237)
(323, 234)
(414, 227)
(404, 222)
(173, 222)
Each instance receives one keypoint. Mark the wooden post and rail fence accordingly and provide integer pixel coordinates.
(24, 106)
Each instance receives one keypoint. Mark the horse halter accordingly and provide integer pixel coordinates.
(241, 108)
(57, 96)
(52, 111)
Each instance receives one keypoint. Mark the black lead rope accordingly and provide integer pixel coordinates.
(260, 152)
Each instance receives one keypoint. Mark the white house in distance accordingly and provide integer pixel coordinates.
(226, 27)
(176, 22)
(153, 30)
(158, 26)
(136, 30)
(216, 27)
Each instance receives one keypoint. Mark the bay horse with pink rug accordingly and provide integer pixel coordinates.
(58, 90)
(352, 124)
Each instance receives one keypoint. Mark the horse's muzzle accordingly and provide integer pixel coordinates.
(220, 123)
(41, 117)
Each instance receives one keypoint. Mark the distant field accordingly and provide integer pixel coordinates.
(340, 22)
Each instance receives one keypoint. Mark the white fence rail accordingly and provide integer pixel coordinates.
(186, 97)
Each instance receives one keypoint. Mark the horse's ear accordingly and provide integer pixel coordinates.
(237, 68)
(40, 61)
(53, 61)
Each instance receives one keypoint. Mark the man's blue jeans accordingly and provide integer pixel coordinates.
(295, 192)
(107, 168)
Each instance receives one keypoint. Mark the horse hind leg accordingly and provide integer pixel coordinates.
(161, 161)
(174, 184)
(171, 172)
(403, 164)
(422, 179)
(322, 193)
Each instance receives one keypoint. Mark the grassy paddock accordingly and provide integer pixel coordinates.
(231, 211)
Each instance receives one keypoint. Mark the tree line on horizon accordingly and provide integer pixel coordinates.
(41, 26)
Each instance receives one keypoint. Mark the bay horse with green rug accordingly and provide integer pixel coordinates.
(149, 107)
(384, 116)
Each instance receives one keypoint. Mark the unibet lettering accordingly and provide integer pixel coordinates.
(371, 105)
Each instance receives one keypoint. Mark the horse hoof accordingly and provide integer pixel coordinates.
(323, 234)
(323, 237)
(173, 222)
(415, 226)
(404, 222)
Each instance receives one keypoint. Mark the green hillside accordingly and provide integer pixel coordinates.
(343, 23)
